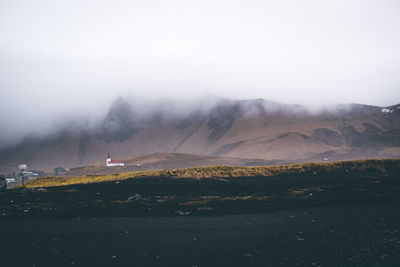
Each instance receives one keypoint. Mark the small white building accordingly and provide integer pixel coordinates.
(10, 180)
(112, 163)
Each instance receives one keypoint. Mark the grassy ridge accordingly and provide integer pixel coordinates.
(384, 166)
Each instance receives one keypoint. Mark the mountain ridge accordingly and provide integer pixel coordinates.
(258, 128)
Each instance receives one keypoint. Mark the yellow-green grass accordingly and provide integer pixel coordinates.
(220, 171)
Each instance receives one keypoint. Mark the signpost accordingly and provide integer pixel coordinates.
(22, 167)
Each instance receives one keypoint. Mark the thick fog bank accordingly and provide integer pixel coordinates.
(129, 113)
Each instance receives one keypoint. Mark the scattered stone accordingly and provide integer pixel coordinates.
(42, 190)
(135, 197)
(181, 213)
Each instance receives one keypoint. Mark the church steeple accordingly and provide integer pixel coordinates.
(108, 159)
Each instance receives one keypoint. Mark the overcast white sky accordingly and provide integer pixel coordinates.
(62, 56)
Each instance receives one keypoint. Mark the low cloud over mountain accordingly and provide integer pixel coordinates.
(257, 129)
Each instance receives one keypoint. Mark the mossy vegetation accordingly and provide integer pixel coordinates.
(383, 166)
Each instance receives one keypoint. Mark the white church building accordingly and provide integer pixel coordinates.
(112, 163)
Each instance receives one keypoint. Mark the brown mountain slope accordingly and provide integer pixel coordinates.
(238, 129)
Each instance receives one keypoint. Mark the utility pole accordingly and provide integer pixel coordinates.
(22, 167)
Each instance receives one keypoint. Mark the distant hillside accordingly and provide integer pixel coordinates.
(248, 129)
(159, 161)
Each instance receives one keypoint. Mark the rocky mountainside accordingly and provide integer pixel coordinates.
(249, 129)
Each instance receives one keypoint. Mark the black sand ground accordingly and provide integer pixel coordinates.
(367, 235)
(341, 219)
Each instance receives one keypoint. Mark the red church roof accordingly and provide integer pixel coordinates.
(113, 161)
(116, 161)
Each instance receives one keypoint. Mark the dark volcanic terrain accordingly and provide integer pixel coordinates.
(251, 129)
(342, 217)
(356, 235)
